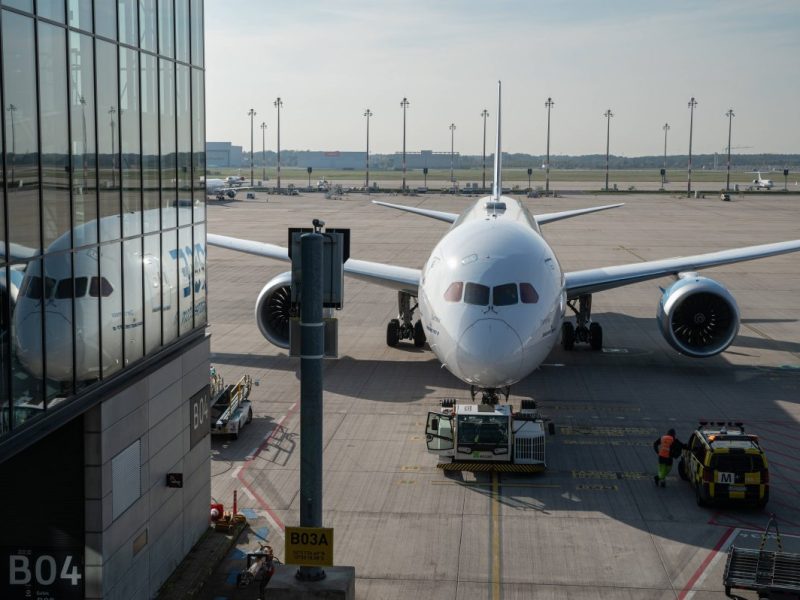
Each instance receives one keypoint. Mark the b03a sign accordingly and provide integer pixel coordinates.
(309, 546)
(41, 573)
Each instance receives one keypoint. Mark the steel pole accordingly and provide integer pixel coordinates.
(312, 344)
(263, 151)
(730, 116)
(549, 105)
(404, 104)
(252, 114)
(484, 114)
(692, 104)
(608, 116)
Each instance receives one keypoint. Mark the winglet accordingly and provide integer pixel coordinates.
(497, 189)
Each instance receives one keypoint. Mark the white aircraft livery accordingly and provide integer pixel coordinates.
(492, 296)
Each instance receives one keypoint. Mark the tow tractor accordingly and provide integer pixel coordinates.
(488, 437)
(230, 407)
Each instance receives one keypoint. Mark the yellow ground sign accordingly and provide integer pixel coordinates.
(309, 546)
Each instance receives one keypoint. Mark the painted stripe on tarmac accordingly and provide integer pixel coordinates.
(495, 536)
(713, 557)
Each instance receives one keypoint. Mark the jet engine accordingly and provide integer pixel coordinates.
(698, 316)
(273, 309)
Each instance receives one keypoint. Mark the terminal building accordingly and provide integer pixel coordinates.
(335, 159)
(223, 154)
(104, 356)
(426, 159)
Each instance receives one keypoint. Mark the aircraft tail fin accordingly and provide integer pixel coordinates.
(497, 188)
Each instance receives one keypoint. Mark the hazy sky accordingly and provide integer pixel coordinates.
(329, 60)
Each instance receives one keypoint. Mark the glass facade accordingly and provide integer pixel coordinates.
(102, 213)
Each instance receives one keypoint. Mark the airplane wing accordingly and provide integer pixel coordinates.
(596, 280)
(433, 214)
(566, 214)
(398, 278)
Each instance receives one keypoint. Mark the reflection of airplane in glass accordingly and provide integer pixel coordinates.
(95, 279)
(492, 296)
(222, 188)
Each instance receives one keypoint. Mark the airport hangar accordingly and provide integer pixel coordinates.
(103, 348)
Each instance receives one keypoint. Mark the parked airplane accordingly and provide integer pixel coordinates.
(72, 290)
(222, 188)
(762, 183)
(492, 296)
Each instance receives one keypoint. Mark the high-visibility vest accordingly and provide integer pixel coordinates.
(666, 443)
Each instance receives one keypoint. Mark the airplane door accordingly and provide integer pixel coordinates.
(439, 434)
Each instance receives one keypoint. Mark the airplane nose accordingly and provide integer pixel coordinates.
(490, 353)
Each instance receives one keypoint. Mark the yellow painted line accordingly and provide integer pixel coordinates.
(505, 485)
(406, 468)
(597, 487)
(634, 475)
(495, 537)
(597, 442)
(608, 431)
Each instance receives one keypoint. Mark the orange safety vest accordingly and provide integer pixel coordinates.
(666, 443)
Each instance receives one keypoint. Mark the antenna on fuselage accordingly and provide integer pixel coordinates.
(497, 188)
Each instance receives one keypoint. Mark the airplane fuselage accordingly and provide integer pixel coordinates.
(491, 296)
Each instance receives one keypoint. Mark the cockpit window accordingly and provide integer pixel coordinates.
(505, 295)
(64, 289)
(528, 293)
(453, 292)
(100, 286)
(81, 283)
(34, 288)
(475, 293)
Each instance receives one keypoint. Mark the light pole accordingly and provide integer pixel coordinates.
(664, 176)
(692, 104)
(251, 113)
(367, 114)
(452, 154)
(263, 152)
(549, 105)
(484, 114)
(730, 116)
(404, 103)
(112, 111)
(12, 109)
(608, 114)
(278, 103)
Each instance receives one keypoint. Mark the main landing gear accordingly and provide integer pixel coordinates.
(584, 330)
(404, 328)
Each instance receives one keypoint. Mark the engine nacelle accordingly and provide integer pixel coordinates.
(698, 316)
(273, 310)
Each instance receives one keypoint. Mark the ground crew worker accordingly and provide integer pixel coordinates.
(667, 447)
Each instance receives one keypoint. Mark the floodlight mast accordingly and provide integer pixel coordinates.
(692, 104)
(608, 114)
(730, 116)
(404, 104)
(263, 151)
(484, 114)
(549, 104)
(452, 154)
(251, 113)
(278, 104)
(367, 114)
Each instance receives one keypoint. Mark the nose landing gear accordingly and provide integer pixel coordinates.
(584, 331)
(404, 327)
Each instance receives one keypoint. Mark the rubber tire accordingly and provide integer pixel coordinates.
(393, 333)
(595, 336)
(699, 498)
(235, 435)
(682, 470)
(419, 335)
(763, 501)
(249, 416)
(567, 336)
(551, 428)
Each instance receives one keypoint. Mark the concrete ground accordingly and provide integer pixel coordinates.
(593, 525)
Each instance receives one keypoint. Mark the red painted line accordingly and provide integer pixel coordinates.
(780, 433)
(263, 445)
(783, 466)
(769, 450)
(693, 579)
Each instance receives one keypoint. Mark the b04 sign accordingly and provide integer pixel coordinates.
(309, 546)
(41, 573)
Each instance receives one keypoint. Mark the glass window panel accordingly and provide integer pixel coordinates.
(3, 253)
(58, 328)
(131, 171)
(133, 329)
(127, 14)
(169, 184)
(20, 4)
(26, 350)
(166, 34)
(453, 292)
(5, 355)
(79, 13)
(84, 172)
(200, 310)
(152, 293)
(22, 146)
(55, 144)
(196, 8)
(185, 274)
(182, 30)
(528, 293)
(505, 295)
(150, 159)
(198, 145)
(169, 285)
(105, 17)
(475, 293)
(184, 154)
(87, 319)
(110, 307)
(108, 141)
(147, 25)
(51, 9)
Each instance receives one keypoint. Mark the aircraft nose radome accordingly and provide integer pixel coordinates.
(490, 353)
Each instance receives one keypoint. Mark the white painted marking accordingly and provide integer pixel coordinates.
(723, 551)
(235, 472)
(248, 493)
